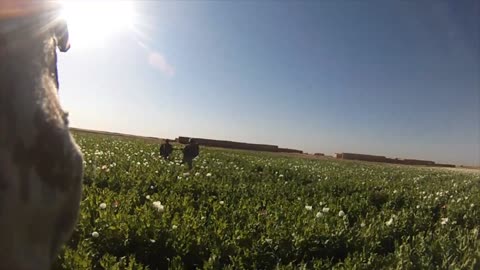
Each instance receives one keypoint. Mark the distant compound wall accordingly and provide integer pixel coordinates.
(288, 150)
(444, 165)
(232, 145)
(352, 156)
(418, 162)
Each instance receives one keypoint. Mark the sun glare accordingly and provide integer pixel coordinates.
(91, 23)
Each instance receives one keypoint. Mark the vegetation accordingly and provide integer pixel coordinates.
(242, 210)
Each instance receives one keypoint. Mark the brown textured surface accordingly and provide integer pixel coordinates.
(40, 165)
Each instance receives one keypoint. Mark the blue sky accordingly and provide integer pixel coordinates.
(399, 79)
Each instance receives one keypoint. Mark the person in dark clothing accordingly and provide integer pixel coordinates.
(166, 149)
(190, 151)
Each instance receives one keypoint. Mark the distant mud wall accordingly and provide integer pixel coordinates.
(353, 156)
(288, 150)
(372, 158)
(238, 145)
(230, 144)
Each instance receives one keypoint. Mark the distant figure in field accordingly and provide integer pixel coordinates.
(190, 152)
(166, 149)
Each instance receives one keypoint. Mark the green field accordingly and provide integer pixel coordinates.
(242, 210)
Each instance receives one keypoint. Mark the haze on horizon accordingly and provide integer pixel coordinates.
(400, 79)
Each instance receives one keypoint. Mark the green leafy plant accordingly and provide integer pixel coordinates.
(245, 210)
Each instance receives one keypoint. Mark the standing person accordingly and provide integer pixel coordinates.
(166, 149)
(190, 152)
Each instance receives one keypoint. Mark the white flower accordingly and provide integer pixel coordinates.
(186, 174)
(472, 205)
(151, 187)
(103, 205)
(281, 176)
(95, 234)
(326, 209)
(174, 227)
(362, 224)
(179, 177)
(152, 241)
(209, 174)
(148, 197)
(418, 206)
(389, 222)
(222, 202)
(268, 240)
(322, 203)
(197, 174)
(158, 205)
(319, 214)
(341, 213)
(308, 207)
(395, 191)
(444, 221)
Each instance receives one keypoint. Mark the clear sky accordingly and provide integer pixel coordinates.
(395, 78)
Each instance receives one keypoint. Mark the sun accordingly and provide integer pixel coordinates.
(92, 23)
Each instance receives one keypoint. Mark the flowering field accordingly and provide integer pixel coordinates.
(241, 210)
